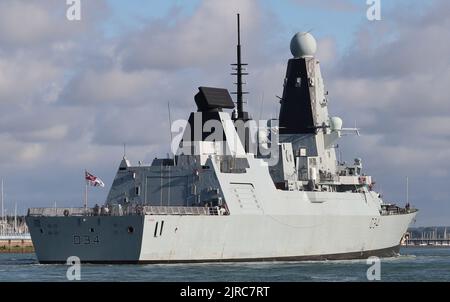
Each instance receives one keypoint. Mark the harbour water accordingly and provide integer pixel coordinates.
(414, 264)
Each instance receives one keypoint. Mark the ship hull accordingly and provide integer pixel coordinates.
(382, 253)
(194, 239)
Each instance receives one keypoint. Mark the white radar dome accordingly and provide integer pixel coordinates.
(303, 44)
(335, 123)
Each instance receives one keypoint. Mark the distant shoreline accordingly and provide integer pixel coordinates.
(427, 246)
(21, 246)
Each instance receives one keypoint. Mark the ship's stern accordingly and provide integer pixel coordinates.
(93, 239)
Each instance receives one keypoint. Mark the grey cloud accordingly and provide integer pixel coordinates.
(112, 86)
(45, 124)
(336, 5)
(133, 126)
(26, 23)
(23, 79)
(191, 42)
(401, 44)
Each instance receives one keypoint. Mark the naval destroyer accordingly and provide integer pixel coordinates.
(236, 190)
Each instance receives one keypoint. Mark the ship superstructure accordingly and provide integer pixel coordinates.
(236, 190)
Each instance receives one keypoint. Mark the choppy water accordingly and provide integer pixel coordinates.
(415, 264)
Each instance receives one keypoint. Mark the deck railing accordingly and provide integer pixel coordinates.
(395, 210)
(124, 211)
(167, 210)
(60, 212)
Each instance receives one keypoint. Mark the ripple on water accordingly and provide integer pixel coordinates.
(412, 265)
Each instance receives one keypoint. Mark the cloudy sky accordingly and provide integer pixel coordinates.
(73, 92)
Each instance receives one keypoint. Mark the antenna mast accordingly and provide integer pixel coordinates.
(239, 73)
(407, 189)
(170, 128)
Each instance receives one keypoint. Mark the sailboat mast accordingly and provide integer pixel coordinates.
(3, 210)
(15, 217)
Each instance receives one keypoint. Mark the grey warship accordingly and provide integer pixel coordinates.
(250, 191)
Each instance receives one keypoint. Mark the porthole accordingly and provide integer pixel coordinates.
(130, 229)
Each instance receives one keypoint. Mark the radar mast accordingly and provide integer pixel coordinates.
(240, 114)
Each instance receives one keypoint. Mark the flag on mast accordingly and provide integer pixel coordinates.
(93, 180)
